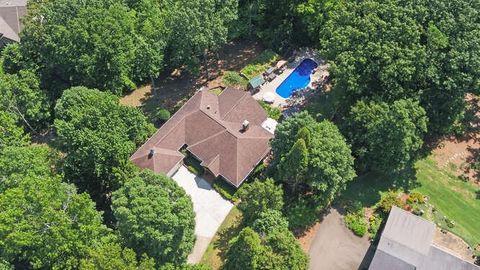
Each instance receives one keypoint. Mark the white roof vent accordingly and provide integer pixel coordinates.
(245, 125)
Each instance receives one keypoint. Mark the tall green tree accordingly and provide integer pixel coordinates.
(258, 197)
(293, 167)
(16, 162)
(386, 137)
(194, 27)
(155, 217)
(391, 50)
(45, 224)
(10, 133)
(20, 94)
(98, 135)
(246, 251)
(98, 44)
(110, 255)
(330, 162)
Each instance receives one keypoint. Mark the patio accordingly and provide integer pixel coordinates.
(270, 87)
(210, 209)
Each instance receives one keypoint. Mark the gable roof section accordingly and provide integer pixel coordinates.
(406, 243)
(211, 126)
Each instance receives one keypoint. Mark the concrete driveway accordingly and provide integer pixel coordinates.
(210, 209)
(335, 247)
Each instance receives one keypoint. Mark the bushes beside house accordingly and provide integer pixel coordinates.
(272, 112)
(356, 222)
(234, 79)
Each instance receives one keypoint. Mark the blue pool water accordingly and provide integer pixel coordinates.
(298, 79)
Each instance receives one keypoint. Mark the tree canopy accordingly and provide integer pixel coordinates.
(258, 197)
(10, 133)
(329, 163)
(46, 224)
(155, 217)
(98, 135)
(386, 138)
(391, 50)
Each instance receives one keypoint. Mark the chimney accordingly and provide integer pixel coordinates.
(151, 153)
(245, 125)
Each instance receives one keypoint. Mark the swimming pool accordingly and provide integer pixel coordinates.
(298, 79)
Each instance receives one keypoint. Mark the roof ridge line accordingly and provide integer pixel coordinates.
(214, 135)
(236, 104)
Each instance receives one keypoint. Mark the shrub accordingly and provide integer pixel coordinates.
(388, 200)
(231, 78)
(193, 165)
(226, 190)
(272, 112)
(162, 114)
(260, 64)
(357, 222)
(375, 223)
(415, 197)
(450, 223)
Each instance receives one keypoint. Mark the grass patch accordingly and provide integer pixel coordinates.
(325, 104)
(214, 256)
(234, 79)
(193, 165)
(448, 196)
(260, 64)
(272, 112)
(452, 198)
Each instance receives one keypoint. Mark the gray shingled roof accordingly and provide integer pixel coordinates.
(11, 12)
(211, 126)
(406, 244)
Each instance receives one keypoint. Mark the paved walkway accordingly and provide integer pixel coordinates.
(210, 210)
(335, 247)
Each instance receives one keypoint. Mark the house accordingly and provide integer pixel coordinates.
(223, 132)
(406, 244)
(11, 13)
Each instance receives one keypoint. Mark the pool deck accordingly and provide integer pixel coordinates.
(272, 86)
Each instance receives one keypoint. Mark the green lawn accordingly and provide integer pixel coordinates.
(453, 198)
(214, 256)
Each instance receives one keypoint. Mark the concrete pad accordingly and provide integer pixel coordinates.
(335, 247)
(209, 206)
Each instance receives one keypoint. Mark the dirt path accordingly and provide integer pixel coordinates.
(335, 247)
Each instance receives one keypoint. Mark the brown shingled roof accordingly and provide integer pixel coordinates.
(11, 12)
(211, 127)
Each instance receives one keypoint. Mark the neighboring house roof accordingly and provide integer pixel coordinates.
(11, 12)
(211, 127)
(406, 244)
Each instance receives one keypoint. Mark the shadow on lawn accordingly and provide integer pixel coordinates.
(227, 234)
(366, 188)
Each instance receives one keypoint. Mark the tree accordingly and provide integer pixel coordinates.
(330, 163)
(386, 137)
(98, 135)
(110, 255)
(17, 162)
(269, 221)
(10, 133)
(286, 247)
(293, 167)
(155, 217)
(258, 197)
(278, 250)
(98, 44)
(247, 252)
(391, 50)
(20, 95)
(44, 223)
(194, 27)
